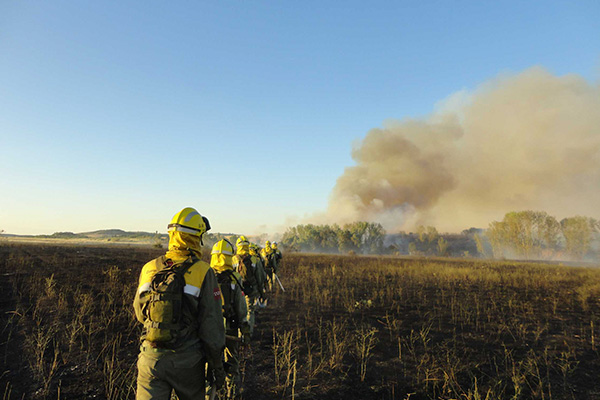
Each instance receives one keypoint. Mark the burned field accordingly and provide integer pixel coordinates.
(347, 327)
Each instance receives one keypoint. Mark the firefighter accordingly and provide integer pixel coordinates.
(178, 300)
(235, 312)
(251, 280)
(269, 262)
(278, 256)
(261, 275)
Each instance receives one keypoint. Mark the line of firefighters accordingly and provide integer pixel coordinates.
(195, 315)
(249, 274)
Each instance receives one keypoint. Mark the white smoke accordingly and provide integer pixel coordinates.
(526, 141)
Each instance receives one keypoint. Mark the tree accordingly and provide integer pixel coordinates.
(373, 241)
(412, 248)
(422, 233)
(328, 238)
(432, 234)
(362, 237)
(551, 233)
(472, 231)
(496, 236)
(578, 233)
(442, 246)
(427, 235)
(519, 228)
(526, 233)
(367, 237)
(482, 246)
(345, 243)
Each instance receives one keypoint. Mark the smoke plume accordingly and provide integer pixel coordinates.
(526, 141)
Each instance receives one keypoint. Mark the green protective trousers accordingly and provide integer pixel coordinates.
(161, 371)
(252, 308)
(232, 354)
(270, 283)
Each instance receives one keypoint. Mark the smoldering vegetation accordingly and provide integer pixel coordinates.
(520, 141)
(347, 327)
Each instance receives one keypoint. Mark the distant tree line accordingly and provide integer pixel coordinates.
(520, 234)
(535, 235)
(371, 238)
(210, 239)
(358, 237)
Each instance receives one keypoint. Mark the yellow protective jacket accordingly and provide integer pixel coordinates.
(202, 295)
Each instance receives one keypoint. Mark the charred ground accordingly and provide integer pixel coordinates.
(346, 328)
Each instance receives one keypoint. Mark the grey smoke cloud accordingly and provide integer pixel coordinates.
(524, 141)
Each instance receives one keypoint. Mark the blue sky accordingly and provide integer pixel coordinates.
(119, 114)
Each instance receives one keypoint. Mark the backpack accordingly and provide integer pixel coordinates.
(250, 281)
(227, 281)
(164, 311)
(271, 260)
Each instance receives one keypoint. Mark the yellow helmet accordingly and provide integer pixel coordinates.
(242, 241)
(222, 255)
(189, 221)
(223, 246)
(267, 244)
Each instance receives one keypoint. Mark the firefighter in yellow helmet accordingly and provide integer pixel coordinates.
(261, 275)
(268, 258)
(247, 267)
(178, 300)
(278, 256)
(235, 312)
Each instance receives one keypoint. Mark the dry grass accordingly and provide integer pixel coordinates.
(69, 331)
(440, 329)
(347, 327)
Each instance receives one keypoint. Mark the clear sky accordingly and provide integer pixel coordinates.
(117, 114)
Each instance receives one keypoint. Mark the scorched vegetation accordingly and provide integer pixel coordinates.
(347, 327)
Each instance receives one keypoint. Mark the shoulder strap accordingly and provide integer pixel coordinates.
(230, 274)
(181, 269)
(238, 282)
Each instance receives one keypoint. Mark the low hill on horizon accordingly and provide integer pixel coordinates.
(102, 234)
